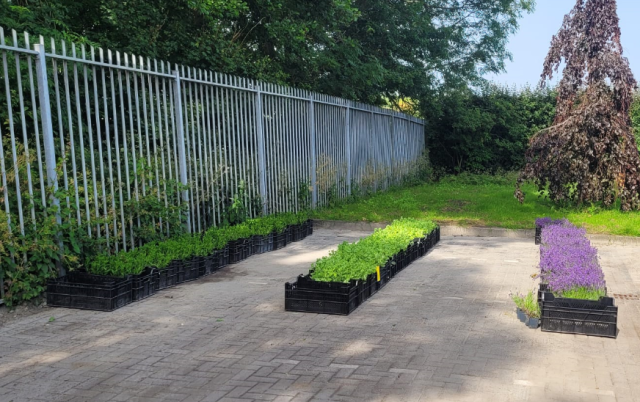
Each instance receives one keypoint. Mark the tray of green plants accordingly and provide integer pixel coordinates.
(349, 275)
(108, 282)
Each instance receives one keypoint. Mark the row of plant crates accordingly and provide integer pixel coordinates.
(82, 290)
(309, 296)
(575, 316)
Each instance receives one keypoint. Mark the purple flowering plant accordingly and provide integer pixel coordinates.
(568, 263)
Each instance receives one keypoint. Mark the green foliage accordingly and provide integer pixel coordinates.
(488, 129)
(260, 226)
(518, 299)
(28, 260)
(360, 259)
(583, 293)
(304, 195)
(154, 219)
(44, 248)
(527, 303)
(373, 51)
(186, 246)
(237, 210)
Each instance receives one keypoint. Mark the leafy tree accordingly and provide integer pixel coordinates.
(487, 129)
(375, 51)
(589, 154)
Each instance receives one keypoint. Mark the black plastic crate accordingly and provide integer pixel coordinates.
(308, 296)
(144, 284)
(262, 244)
(209, 264)
(297, 232)
(189, 270)
(167, 277)
(280, 239)
(309, 227)
(89, 292)
(413, 252)
(397, 264)
(538, 236)
(575, 316)
(239, 250)
(421, 244)
(385, 274)
(223, 257)
(367, 288)
(288, 235)
(403, 260)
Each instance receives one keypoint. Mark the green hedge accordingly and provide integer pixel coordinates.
(360, 259)
(185, 247)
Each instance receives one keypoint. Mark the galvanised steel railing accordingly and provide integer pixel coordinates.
(110, 128)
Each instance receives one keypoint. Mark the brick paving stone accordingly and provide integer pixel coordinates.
(443, 330)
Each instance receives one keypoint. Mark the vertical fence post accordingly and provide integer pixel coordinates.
(182, 158)
(262, 160)
(47, 136)
(347, 145)
(394, 162)
(374, 164)
(314, 167)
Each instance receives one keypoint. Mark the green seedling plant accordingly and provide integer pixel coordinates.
(530, 305)
(356, 261)
(518, 299)
(260, 227)
(159, 254)
(583, 293)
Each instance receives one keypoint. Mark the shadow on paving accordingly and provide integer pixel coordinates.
(443, 329)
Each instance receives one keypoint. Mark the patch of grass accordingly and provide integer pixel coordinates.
(583, 294)
(479, 200)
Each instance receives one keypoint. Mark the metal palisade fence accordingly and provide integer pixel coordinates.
(113, 129)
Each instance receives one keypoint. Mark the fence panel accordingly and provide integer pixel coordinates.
(124, 137)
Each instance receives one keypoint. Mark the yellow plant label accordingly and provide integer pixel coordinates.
(378, 272)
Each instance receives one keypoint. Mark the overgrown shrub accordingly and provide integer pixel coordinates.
(486, 130)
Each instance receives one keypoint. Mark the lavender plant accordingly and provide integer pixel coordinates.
(568, 263)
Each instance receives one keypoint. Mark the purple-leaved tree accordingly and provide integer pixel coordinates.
(589, 154)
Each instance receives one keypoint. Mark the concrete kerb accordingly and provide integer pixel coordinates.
(460, 231)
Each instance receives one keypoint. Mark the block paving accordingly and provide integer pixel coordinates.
(444, 329)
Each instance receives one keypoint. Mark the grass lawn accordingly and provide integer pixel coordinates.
(478, 201)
